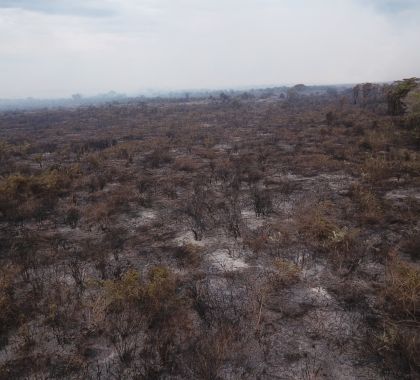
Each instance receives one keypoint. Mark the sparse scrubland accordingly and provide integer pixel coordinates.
(234, 237)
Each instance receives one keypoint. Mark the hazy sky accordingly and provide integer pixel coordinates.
(52, 48)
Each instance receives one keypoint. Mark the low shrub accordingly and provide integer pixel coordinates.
(287, 272)
(72, 217)
(314, 222)
(369, 208)
(186, 164)
(189, 255)
(400, 336)
(402, 290)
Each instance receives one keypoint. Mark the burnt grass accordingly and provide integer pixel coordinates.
(232, 238)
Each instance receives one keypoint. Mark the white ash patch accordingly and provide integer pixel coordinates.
(336, 182)
(188, 238)
(149, 214)
(285, 206)
(110, 186)
(315, 297)
(222, 260)
(320, 295)
(296, 177)
(286, 147)
(222, 147)
(251, 220)
(210, 242)
(67, 279)
(142, 218)
(398, 195)
(313, 270)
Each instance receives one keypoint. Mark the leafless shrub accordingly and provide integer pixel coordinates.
(412, 246)
(262, 201)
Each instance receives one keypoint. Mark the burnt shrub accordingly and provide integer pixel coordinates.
(186, 164)
(412, 246)
(72, 217)
(9, 310)
(159, 157)
(262, 203)
(189, 255)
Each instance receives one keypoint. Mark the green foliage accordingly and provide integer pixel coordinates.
(160, 291)
(31, 196)
(48, 183)
(397, 93)
(124, 291)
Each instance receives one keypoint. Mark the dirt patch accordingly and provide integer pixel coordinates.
(222, 260)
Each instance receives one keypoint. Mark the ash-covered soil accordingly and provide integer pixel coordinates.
(223, 239)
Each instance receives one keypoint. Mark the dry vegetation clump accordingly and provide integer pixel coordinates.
(186, 164)
(325, 235)
(369, 209)
(402, 289)
(315, 223)
(401, 298)
(34, 196)
(378, 169)
(287, 272)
